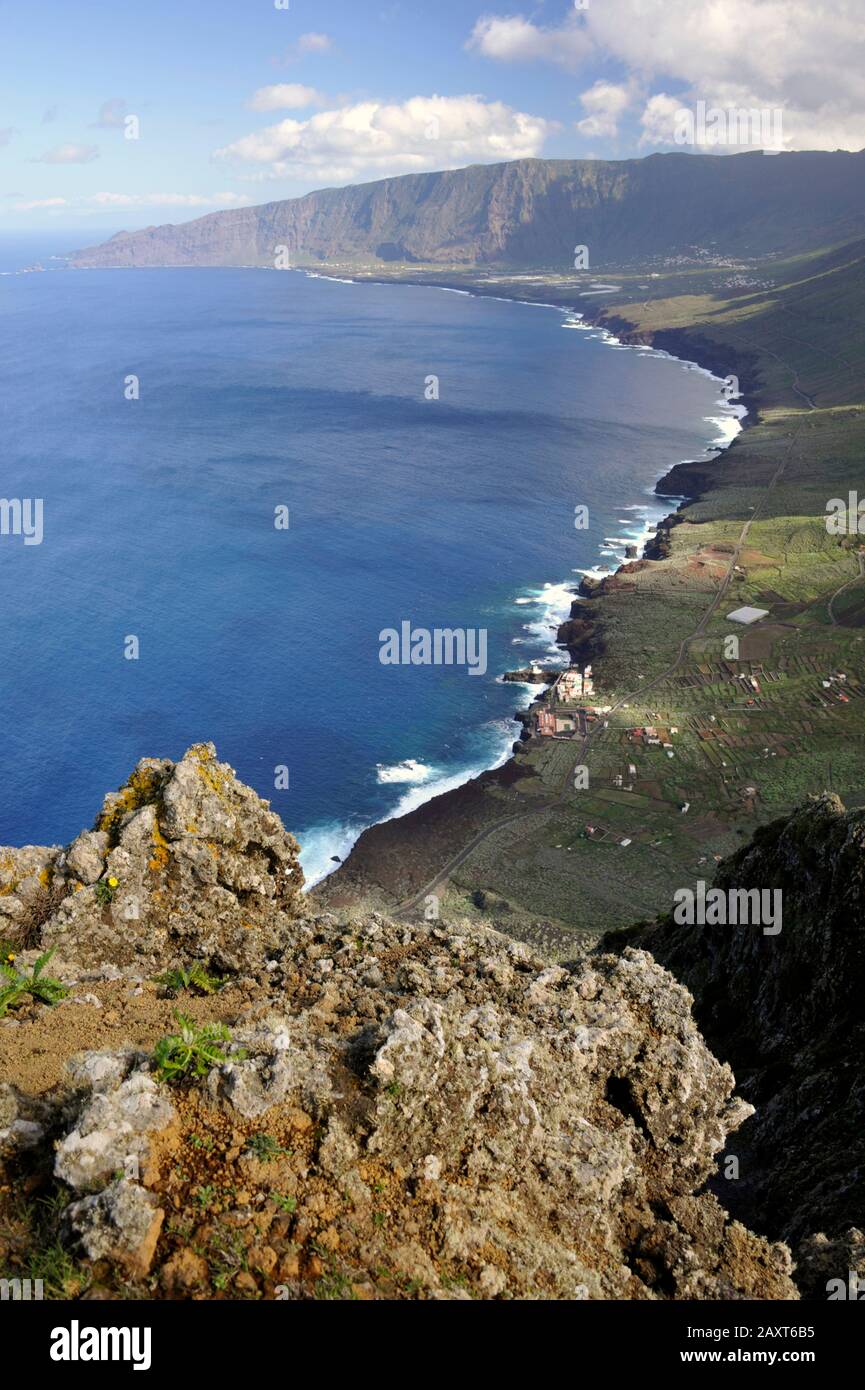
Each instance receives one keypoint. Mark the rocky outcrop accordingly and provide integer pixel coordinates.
(398, 1109)
(786, 1011)
(182, 863)
(431, 1109)
(462, 1112)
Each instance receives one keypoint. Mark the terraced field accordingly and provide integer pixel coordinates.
(755, 734)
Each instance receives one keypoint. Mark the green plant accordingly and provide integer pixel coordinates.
(195, 978)
(192, 1051)
(105, 889)
(265, 1148)
(286, 1204)
(335, 1286)
(42, 987)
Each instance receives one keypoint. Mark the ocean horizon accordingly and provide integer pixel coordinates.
(262, 390)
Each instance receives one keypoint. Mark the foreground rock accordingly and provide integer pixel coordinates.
(397, 1110)
(443, 1107)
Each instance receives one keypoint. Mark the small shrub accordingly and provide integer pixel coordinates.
(265, 1148)
(193, 1050)
(14, 985)
(195, 978)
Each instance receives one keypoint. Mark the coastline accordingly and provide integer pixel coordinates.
(685, 482)
(332, 848)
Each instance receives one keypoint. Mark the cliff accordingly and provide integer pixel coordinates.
(531, 212)
(786, 1012)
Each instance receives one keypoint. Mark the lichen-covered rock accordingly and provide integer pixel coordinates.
(121, 1224)
(112, 1132)
(566, 1120)
(278, 1063)
(27, 880)
(184, 862)
(85, 858)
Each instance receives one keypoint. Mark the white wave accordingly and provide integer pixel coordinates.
(554, 604)
(501, 734)
(408, 771)
(320, 844)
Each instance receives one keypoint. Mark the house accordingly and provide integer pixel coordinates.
(545, 722)
(747, 615)
(552, 723)
(573, 685)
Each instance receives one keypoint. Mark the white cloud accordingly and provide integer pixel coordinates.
(658, 119)
(173, 200)
(69, 154)
(111, 113)
(376, 139)
(307, 45)
(314, 43)
(96, 201)
(285, 96)
(605, 103)
(513, 39)
(805, 58)
(40, 204)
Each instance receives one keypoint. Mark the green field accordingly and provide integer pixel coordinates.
(757, 536)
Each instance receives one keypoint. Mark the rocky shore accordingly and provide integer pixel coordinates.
(392, 860)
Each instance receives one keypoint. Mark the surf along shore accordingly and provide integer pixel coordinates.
(755, 731)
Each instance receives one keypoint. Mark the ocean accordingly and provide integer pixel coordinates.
(265, 394)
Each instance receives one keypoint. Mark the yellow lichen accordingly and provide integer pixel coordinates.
(141, 789)
(160, 856)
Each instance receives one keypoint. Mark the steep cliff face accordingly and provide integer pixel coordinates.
(530, 212)
(378, 1108)
(787, 1012)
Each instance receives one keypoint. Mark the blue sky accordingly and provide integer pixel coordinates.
(238, 101)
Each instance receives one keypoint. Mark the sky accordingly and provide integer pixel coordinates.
(127, 114)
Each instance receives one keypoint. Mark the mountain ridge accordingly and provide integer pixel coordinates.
(529, 212)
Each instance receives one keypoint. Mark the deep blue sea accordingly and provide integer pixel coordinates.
(261, 389)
